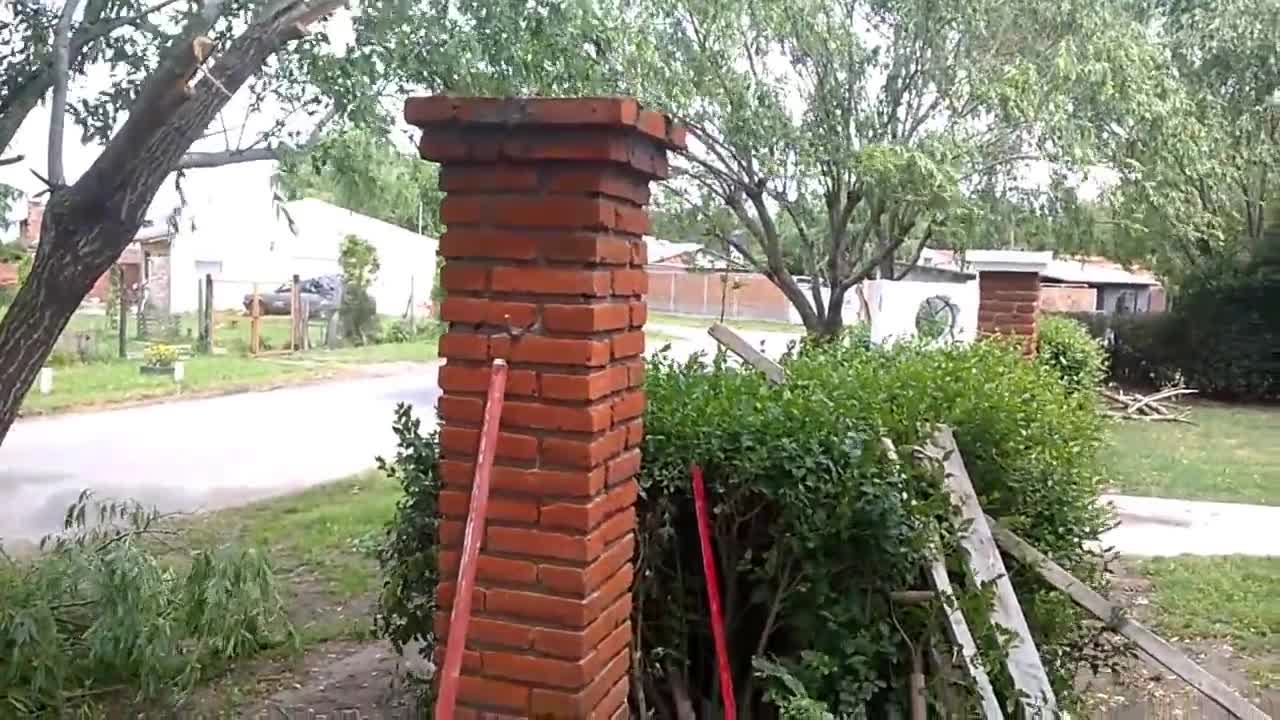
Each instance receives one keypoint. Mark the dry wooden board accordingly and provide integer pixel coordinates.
(986, 566)
(957, 628)
(750, 355)
(1159, 650)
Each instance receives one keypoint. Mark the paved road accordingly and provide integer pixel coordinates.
(202, 454)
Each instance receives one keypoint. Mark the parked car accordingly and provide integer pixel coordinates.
(319, 293)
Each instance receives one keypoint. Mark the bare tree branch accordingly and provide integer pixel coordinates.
(12, 160)
(58, 107)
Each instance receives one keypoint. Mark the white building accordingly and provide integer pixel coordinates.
(261, 243)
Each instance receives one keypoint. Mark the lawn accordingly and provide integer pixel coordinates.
(1232, 599)
(1231, 454)
(706, 322)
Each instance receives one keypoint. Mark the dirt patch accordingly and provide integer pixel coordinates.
(1144, 690)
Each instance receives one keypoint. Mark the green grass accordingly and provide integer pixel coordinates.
(328, 531)
(1231, 454)
(1233, 599)
(108, 383)
(706, 322)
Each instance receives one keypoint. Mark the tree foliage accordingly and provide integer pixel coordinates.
(358, 259)
(361, 170)
(1198, 151)
(100, 614)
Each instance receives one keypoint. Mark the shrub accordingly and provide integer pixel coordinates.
(407, 604)
(1221, 337)
(359, 261)
(98, 612)
(814, 526)
(1067, 348)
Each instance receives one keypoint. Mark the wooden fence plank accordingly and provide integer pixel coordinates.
(986, 566)
(1112, 614)
(753, 357)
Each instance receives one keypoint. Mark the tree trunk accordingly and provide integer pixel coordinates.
(60, 278)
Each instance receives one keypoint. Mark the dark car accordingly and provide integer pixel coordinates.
(319, 294)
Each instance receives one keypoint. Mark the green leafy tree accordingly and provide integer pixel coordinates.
(359, 262)
(840, 135)
(362, 171)
(1198, 153)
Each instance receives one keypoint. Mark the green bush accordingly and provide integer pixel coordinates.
(814, 525)
(1221, 337)
(99, 613)
(1067, 347)
(359, 261)
(407, 603)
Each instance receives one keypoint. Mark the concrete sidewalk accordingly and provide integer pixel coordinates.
(1161, 527)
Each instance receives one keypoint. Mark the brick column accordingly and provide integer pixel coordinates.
(1008, 304)
(544, 266)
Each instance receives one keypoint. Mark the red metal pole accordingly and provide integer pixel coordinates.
(461, 615)
(713, 595)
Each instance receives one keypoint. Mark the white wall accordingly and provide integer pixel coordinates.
(248, 242)
(894, 304)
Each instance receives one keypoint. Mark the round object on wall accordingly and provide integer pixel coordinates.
(936, 319)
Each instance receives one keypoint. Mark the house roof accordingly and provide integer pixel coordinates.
(1085, 270)
(1097, 271)
(661, 251)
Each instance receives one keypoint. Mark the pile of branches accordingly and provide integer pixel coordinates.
(1156, 407)
(111, 611)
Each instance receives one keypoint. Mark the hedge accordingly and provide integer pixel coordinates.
(1221, 337)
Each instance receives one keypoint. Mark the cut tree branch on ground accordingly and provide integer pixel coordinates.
(1133, 406)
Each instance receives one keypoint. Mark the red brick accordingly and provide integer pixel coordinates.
(497, 632)
(639, 253)
(585, 581)
(539, 543)
(464, 346)
(596, 317)
(560, 351)
(533, 211)
(583, 453)
(602, 691)
(628, 405)
(628, 344)
(456, 277)
(490, 177)
(446, 589)
(550, 281)
(632, 220)
(586, 248)
(489, 567)
(624, 467)
(567, 483)
(583, 387)
(493, 693)
(599, 179)
(475, 379)
(575, 644)
(569, 418)
(635, 432)
(614, 704)
(597, 145)
(478, 311)
(630, 282)
(635, 373)
(457, 503)
(456, 408)
(586, 516)
(456, 473)
(563, 611)
(470, 659)
(581, 111)
(449, 532)
(511, 446)
(540, 670)
(639, 313)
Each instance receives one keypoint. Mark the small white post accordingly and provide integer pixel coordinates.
(46, 381)
(179, 370)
